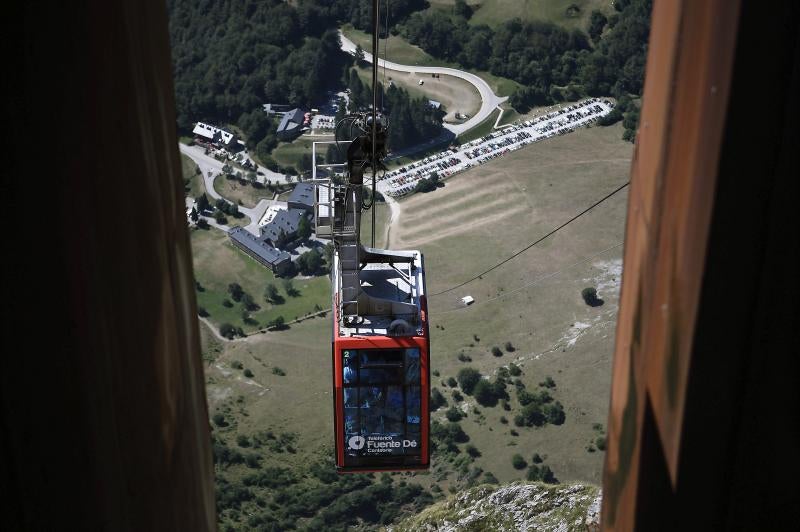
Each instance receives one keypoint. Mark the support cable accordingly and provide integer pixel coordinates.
(375, 56)
(532, 283)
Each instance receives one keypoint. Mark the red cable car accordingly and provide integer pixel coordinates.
(381, 380)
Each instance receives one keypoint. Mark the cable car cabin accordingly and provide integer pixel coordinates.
(380, 362)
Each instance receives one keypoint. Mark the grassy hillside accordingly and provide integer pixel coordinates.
(488, 213)
(217, 263)
(566, 13)
(534, 303)
(241, 192)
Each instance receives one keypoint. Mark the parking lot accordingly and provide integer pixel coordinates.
(403, 180)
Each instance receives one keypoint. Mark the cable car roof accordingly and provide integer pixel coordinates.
(385, 283)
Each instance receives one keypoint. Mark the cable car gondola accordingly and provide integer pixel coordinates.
(381, 380)
(380, 344)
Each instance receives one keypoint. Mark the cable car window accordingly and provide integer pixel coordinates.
(382, 398)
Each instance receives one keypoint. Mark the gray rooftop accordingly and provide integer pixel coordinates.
(292, 120)
(288, 221)
(303, 194)
(258, 246)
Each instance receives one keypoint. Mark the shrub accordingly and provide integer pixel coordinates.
(590, 297)
(536, 458)
(227, 303)
(468, 378)
(278, 371)
(248, 373)
(457, 397)
(219, 420)
(445, 437)
(202, 312)
(253, 461)
(611, 118)
(464, 358)
(539, 398)
(510, 347)
(541, 474)
(453, 414)
(451, 382)
(236, 291)
(458, 434)
(554, 412)
(505, 406)
(242, 440)
(503, 420)
(235, 364)
(437, 399)
(484, 393)
(513, 432)
(548, 382)
(472, 451)
(518, 462)
(435, 372)
(496, 351)
(531, 415)
(489, 478)
(600, 441)
(227, 330)
(503, 374)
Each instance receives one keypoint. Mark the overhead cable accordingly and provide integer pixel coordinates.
(532, 283)
(529, 246)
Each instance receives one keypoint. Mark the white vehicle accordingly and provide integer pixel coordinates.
(421, 82)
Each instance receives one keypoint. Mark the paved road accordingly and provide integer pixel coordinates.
(208, 163)
(489, 100)
(211, 168)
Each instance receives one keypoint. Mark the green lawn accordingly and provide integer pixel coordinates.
(560, 12)
(193, 182)
(509, 115)
(217, 263)
(398, 50)
(481, 130)
(237, 191)
(289, 153)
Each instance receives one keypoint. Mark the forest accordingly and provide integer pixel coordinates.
(232, 56)
(552, 63)
(411, 120)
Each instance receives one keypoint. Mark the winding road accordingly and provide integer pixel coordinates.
(489, 100)
(211, 168)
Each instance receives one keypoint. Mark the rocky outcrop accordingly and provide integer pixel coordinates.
(518, 506)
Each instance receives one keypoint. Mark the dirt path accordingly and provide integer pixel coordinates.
(396, 210)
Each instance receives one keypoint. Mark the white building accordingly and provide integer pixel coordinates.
(214, 135)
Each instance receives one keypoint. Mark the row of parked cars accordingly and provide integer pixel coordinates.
(403, 180)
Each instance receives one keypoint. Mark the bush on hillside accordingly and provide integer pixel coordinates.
(468, 378)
